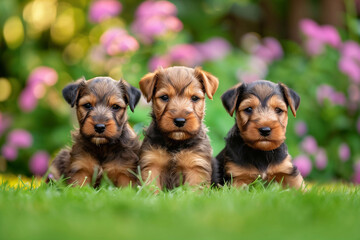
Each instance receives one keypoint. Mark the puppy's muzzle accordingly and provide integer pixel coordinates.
(264, 131)
(179, 122)
(99, 128)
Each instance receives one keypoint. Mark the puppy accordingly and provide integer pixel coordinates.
(105, 142)
(255, 145)
(176, 149)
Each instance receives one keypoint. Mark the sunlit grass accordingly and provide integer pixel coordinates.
(260, 211)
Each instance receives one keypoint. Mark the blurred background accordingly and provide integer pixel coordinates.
(312, 46)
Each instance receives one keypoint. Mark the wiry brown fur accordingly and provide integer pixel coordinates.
(171, 155)
(248, 154)
(113, 152)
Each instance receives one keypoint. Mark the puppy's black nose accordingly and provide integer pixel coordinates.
(99, 128)
(265, 131)
(179, 122)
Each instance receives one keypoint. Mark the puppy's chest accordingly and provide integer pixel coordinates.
(247, 174)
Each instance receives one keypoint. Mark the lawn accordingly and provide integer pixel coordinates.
(258, 212)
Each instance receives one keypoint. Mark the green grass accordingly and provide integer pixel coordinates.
(258, 212)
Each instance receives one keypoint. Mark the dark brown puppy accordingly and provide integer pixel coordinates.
(255, 145)
(176, 149)
(105, 141)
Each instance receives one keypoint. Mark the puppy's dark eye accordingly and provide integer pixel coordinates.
(278, 110)
(88, 106)
(115, 107)
(165, 98)
(248, 110)
(195, 98)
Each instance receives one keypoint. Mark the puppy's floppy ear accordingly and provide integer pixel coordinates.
(210, 82)
(71, 91)
(230, 97)
(291, 97)
(132, 94)
(147, 85)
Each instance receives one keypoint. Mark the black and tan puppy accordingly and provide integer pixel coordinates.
(104, 142)
(176, 149)
(255, 145)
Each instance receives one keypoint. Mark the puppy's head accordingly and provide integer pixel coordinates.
(178, 96)
(101, 106)
(261, 112)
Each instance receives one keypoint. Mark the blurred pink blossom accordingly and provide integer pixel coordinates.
(300, 128)
(321, 159)
(39, 163)
(270, 50)
(20, 138)
(151, 8)
(117, 41)
(35, 89)
(214, 49)
(354, 93)
(351, 68)
(317, 36)
(303, 163)
(327, 92)
(158, 61)
(356, 178)
(330, 35)
(185, 54)
(350, 49)
(338, 98)
(309, 145)
(154, 19)
(101, 10)
(27, 100)
(344, 152)
(310, 28)
(45, 75)
(5, 122)
(314, 47)
(9, 152)
(247, 77)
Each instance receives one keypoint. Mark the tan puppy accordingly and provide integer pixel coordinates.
(176, 149)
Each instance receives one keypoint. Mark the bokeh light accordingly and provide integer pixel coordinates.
(13, 32)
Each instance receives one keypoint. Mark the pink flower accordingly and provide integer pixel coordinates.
(152, 8)
(9, 152)
(270, 50)
(27, 100)
(303, 163)
(354, 93)
(314, 46)
(214, 49)
(300, 128)
(356, 178)
(351, 68)
(309, 145)
(20, 138)
(39, 163)
(155, 19)
(310, 28)
(350, 49)
(338, 98)
(104, 9)
(5, 122)
(330, 35)
(247, 77)
(159, 61)
(321, 159)
(344, 152)
(45, 75)
(117, 41)
(185, 54)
